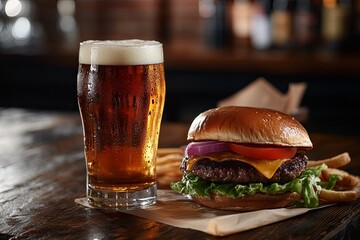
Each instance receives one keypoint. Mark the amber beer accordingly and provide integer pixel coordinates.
(121, 93)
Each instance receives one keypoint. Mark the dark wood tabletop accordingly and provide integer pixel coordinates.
(42, 171)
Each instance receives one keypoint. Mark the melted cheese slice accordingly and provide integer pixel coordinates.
(265, 167)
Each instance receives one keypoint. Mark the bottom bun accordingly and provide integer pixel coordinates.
(249, 202)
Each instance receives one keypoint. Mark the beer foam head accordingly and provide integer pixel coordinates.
(121, 52)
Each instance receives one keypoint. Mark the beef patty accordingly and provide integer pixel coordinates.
(238, 172)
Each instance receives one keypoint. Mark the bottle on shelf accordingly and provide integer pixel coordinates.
(260, 27)
(356, 26)
(241, 11)
(281, 24)
(215, 22)
(306, 24)
(336, 24)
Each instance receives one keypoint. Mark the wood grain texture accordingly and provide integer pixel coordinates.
(42, 171)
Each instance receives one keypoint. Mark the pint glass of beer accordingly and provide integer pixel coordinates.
(121, 94)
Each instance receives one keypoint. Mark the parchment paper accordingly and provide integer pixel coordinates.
(177, 210)
(260, 93)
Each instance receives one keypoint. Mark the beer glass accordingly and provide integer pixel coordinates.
(121, 94)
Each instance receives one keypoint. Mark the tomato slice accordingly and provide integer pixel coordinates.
(270, 153)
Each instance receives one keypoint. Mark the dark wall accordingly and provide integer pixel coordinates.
(332, 101)
(40, 83)
(34, 82)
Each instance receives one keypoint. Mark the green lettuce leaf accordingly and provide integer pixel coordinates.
(308, 185)
(332, 181)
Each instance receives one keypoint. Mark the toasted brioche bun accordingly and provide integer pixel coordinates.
(249, 125)
(254, 202)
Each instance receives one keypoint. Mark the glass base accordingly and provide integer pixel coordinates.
(121, 200)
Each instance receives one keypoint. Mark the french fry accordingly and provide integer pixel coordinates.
(334, 162)
(168, 166)
(169, 160)
(347, 187)
(338, 196)
(166, 151)
(345, 180)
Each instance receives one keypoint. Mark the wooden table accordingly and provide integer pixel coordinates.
(42, 171)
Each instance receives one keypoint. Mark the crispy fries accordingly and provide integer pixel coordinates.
(166, 151)
(168, 166)
(347, 186)
(345, 180)
(334, 162)
(332, 196)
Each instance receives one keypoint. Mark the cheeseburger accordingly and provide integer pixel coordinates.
(244, 159)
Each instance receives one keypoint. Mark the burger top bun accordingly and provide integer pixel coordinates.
(249, 125)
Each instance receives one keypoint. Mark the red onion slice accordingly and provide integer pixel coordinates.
(198, 148)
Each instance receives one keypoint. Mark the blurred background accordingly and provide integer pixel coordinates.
(213, 48)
